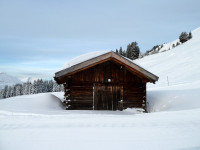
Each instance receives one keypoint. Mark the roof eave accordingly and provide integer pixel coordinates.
(91, 62)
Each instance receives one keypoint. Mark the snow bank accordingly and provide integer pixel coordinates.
(82, 58)
(173, 100)
(31, 103)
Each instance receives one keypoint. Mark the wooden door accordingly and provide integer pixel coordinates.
(106, 97)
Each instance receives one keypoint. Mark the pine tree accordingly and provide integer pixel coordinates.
(177, 44)
(35, 87)
(12, 91)
(24, 89)
(31, 88)
(18, 89)
(8, 93)
(117, 52)
(39, 86)
(1, 94)
(128, 51)
(189, 36)
(5, 90)
(133, 51)
(183, 37)
(50, 86)
(120, 51)
(46, 86)
(55, 87)
(136, 53)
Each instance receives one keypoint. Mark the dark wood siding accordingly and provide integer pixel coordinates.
(80, 87)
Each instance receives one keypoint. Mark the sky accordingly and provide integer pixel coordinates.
(37, 37)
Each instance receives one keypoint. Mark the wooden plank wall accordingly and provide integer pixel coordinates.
(79, 87)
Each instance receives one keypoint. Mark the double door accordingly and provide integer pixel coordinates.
(107, 97)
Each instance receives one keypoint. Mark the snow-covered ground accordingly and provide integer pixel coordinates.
(40, 122)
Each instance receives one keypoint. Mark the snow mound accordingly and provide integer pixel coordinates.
(6, 79)
(173, 100)
(32, 103)
(82, 58)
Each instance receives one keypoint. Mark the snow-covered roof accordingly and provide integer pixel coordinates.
(82, 58)
(91, 59)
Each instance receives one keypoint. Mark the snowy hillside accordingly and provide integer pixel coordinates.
(6, 79)
(180, 65)
(179, 76)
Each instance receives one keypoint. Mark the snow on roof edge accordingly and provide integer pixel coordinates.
(83, 58)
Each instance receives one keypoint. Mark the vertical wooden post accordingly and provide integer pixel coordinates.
(144, 101)
(93, 95)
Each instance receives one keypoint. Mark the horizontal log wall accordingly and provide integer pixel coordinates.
(79, 87)
(80, 96)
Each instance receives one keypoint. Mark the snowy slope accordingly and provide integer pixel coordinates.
(180, 68)
(164, 47)
(6, 79)
(181, 64)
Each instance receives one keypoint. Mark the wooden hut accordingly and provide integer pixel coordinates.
(106, 81)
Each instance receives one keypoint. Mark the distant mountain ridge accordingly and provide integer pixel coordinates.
(9, 80)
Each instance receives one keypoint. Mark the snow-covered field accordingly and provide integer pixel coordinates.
(39, 122)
